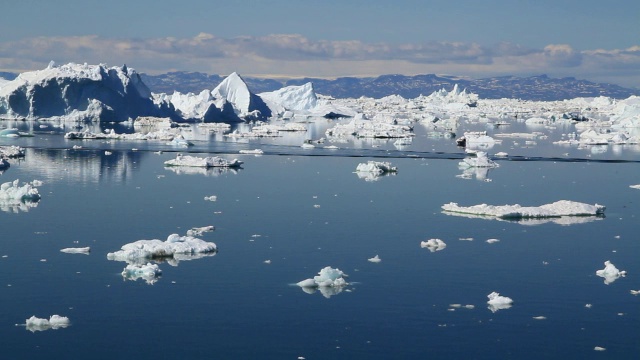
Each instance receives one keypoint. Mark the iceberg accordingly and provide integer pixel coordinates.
(176, 247)
(433, 245)
(247, 105)
(329, 281)
(210, 161)
(376, 167)
(556, 209)
(12, 192)
(610, 273)
(80, 250)
(150, 273)
(497, 302)
(55, 322)
(375, 259)
(11, 151)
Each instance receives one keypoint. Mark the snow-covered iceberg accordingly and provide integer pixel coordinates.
(176, 247)
(76, 92)
(209, 161)
(497, 302)
(55, 322)
(556, 209)
(610, 273)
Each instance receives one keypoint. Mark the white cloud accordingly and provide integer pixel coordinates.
(297, 55)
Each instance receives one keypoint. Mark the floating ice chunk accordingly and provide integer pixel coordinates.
(378, 167)
(210, 161)
(635, 186)
(176, 247)
(11, 151)
(539, 317)
(492, 241)
(55, 322)
(556, 209)
(480, 160)
(599, 348)
(375, 259)
(148, 272)
(200, 230)
(211, 198)
(610, 273)
(327, 277)
(497, 302)
(634, 292)
(254, 152)
(433, 245)
(13, 191)
(80, 250)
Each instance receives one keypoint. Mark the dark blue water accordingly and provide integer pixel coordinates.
(311, 212)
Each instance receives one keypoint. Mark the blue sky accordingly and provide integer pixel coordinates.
(587, 39)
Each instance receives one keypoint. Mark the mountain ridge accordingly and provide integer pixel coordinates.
(538, 88)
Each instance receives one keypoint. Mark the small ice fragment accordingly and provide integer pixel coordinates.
(466, 239)
(470, 307)
(634, 292)
(492, 241)
(267, 261)
(43, 260)
(540, 317)
(588, 306)
(198, 231)
(598, 348)
(433, 245)
(316, 206)
(375, 259)
(455, 305)
(79, 250)
(211, 198)
(108, 153)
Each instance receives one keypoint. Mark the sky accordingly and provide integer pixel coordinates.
(594, 40)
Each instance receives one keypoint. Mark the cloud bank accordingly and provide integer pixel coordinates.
(295, 55)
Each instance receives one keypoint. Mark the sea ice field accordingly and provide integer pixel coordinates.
(305, 241)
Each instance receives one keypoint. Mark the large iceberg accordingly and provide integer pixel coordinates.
(78, 93)
(295, 99)
(246, 104)
(556, 209)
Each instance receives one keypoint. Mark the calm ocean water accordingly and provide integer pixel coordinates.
(304, 213)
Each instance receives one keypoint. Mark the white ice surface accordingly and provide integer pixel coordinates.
(176, 247)
(610, 273)
(433, 245)
(78, 250)
(34, 324)
(327, 277)
(209, 161)
(556, 209)
(497, 302)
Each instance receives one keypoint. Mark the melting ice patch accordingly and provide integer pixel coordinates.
(497, 302)
(210, 161)
(610, 273)
(556, 209)
(55, 322)
(329, 281)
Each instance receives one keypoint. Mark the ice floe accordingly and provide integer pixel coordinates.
(497, 302)
(194, 161)
(77, 250)
(55, 322)
(375, 259)
(433, 245)
(610, 273)
(371, 170)
(198, 231)
(175, 248)
(555, 209)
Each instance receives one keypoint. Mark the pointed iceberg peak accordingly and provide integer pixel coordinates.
(234, 90)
